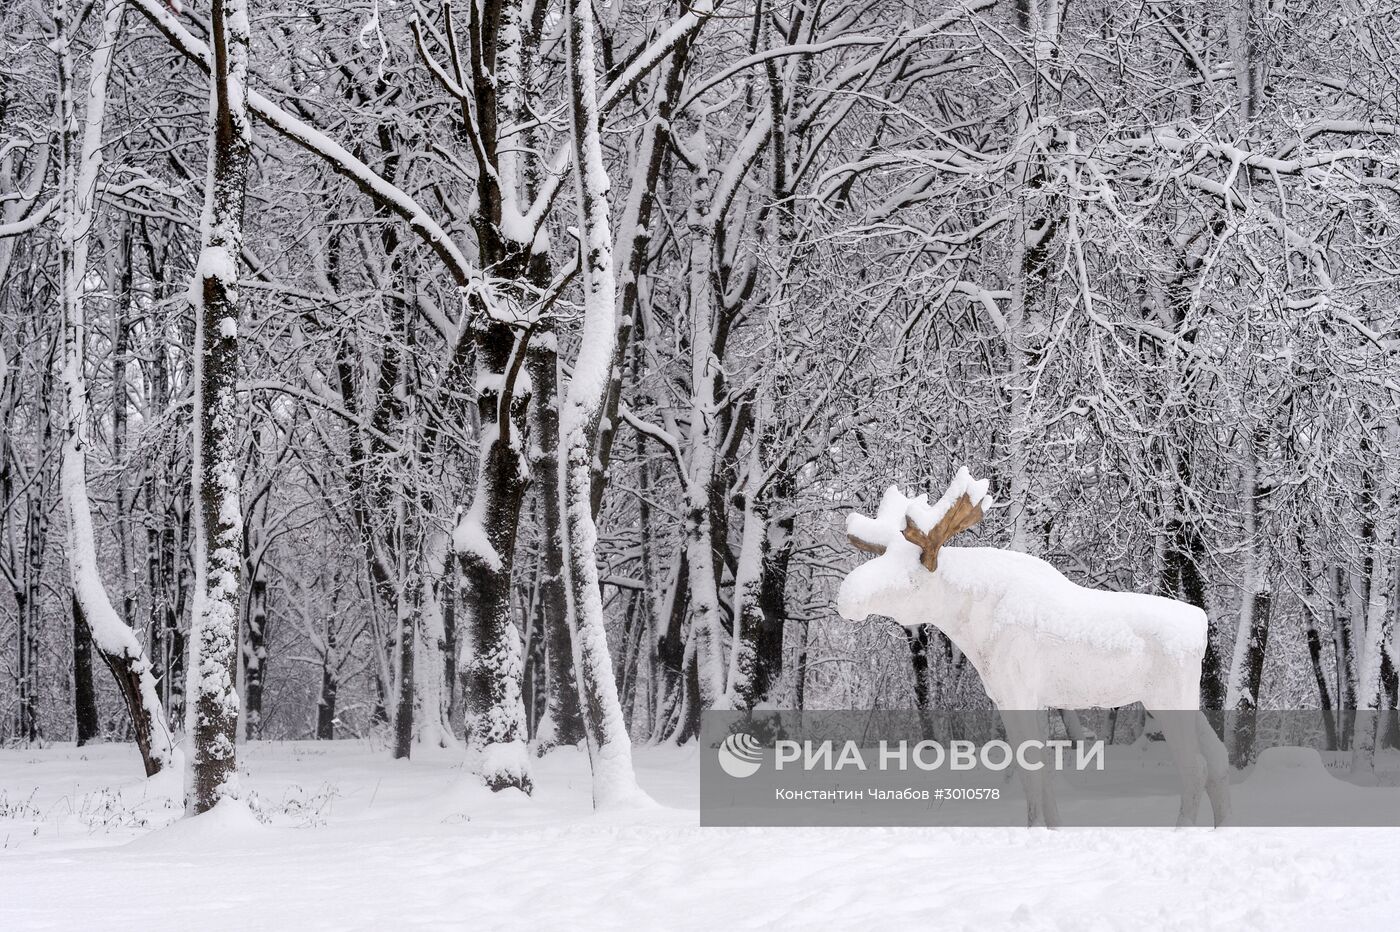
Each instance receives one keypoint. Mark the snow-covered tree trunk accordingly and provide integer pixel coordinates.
(406, 608)
(120, 278)
(706, 635)
(488, 85)
(491, 659)
(430, 674)
(1255, 608)
(1032, 224)
(28, 586)
(1343, 654)
(255, 667)
(163, 579)
(743, 689)
(562, 722)
(115, 641)
(1248, 65)
(1379, 619)
(253, 650)
(330, 686)
(1311, 598)
(609, 746)
(213, 704)
(755, 657)
(1018, 270)
(772, 595)
(633, 237)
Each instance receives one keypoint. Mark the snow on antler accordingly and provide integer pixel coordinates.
(896, 509)
(928, 516)
(874, 535)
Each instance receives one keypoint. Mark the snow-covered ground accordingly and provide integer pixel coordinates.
(353, 840)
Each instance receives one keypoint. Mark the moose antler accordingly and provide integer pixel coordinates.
(873, 535)
(925, 526)
(962, 515)
(864, 546)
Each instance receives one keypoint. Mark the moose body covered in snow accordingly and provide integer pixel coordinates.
(1038, 640)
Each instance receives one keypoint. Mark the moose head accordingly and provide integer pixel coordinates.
(906, 535)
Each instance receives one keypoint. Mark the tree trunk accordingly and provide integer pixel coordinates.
(330, 684)
(86, 725)
(484, 541)
(115, 641)
(761, 579)
(918, 639)
(1388, 731)
(1378, 622)
(609, 746)
(1182, 579)
(671, 652)
(451, 647)
(1256, 601)
(1313, 635)
(162, 578)
(634, 234)
(799, 685)
(120, 351)
(213, 697)
(742, 690)
(29, 602)
(407, 616)
(562, 722)
(773, 597)
(634, 626)
(255, 675)
(706, 633)
(429, 672)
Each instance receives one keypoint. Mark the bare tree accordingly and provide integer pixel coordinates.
(213, 702)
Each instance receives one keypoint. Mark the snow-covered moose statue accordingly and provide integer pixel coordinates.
(1038, 640)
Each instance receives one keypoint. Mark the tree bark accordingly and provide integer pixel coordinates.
(86, 724)
(121, 338)
(562, 722)
(493, 666)
(213, 695)
(255, 675)
(1314, 641)
(407, 598)
(325, 703)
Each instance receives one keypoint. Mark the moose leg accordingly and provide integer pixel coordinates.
(1023, 727)
(1047, 789)
(1217, 769)
(1179, 728)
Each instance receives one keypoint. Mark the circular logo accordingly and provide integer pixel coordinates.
(740, 755)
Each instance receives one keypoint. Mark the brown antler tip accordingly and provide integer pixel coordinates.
(864, 546)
